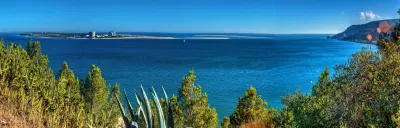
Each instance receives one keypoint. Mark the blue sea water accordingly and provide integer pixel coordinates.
(226, 65)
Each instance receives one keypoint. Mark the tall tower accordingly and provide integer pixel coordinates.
(112, 33)
(92, 34)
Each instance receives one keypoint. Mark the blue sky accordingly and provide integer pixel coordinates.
(233, 16)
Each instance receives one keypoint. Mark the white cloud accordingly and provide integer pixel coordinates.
(362, 16)
(369, 15)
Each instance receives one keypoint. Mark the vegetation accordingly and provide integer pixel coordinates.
(362, 93)
(191, 108)
(251, 108)
(30, 89)
(143, 108)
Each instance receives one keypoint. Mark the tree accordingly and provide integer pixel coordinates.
(71, 97)
(177, 112)
(251, 108)
(196, 112)
(35, 53)
(226, 123)
(96, 94)
(396, 117)
(66, 75)
(301, 107)
(29, 88)
(95, 90)
(2, 45)
(29, 48)
(112, 110)
(323, 81)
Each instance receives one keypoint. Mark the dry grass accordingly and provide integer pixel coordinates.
(15, 120)
(120, 123)
(254, 125)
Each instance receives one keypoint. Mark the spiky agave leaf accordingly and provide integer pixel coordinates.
(148, 107)
(169, 118)
(134, 116)
(145, 108)
(159, 108)
(126, 120)
(140, 104)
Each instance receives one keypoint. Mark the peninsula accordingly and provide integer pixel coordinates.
(90, 35)
(365, 33)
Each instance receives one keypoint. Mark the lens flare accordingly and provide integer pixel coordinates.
(383, 27)
(369, 37)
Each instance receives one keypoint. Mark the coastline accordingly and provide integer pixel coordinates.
(139, 37)
(136, 37)
(355, 41)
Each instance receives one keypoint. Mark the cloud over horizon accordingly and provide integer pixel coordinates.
(369, 15)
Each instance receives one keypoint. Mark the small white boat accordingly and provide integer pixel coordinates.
(184, 41)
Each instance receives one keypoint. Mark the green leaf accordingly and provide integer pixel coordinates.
(170, 116)
(140, 104)
(126, 120)
(159, 108)
(148, 107)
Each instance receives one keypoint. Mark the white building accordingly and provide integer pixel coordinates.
(92, 34)
(112, 33)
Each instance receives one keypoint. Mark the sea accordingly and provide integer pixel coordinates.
(225, 64)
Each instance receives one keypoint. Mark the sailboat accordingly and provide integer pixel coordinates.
(184, 41)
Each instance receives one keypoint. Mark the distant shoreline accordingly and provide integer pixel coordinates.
(84, 36)
(122, 38)
(117, 38)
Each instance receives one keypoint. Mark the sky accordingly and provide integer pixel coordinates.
(194, 16)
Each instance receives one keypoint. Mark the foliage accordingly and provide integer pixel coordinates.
(322, 83)
(251, 108)
(143, 109)
(30, 89)
(362, 93)
(396, 117)
(98, 106)
(176, 112)
(226, 123)
(193, 107)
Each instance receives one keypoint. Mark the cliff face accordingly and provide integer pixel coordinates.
(359, 33)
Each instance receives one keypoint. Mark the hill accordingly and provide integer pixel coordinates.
(359, 33)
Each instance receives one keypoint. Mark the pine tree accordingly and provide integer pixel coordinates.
(226, 123)
(72, 83)
(74, 105)
(196, 111)
(29, 48)
(29, 88)
(177, 112)
(250, 109)
(96, 93)
(323, 81)
(95, 90)
(113, 112)
(2, 45)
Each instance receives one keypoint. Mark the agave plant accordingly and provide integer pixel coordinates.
(145, 109)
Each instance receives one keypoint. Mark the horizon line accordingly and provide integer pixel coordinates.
(294, 33)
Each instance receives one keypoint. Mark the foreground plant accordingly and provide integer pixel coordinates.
(145, 109)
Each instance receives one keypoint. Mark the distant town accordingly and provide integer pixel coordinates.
(89, 35)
